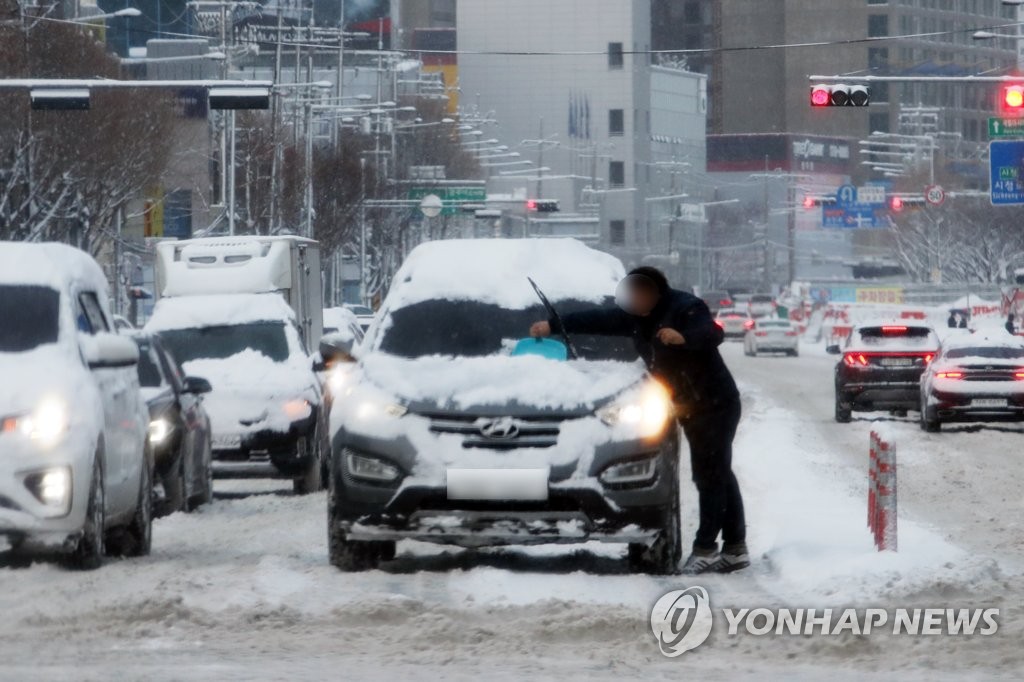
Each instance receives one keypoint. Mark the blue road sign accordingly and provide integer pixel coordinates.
(1006, 172)
(850, 211)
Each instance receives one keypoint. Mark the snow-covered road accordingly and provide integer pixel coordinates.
(242, 590)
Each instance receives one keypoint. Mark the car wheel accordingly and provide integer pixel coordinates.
(843, 412)
(309, 481)
(173, 480)
(929, 422)
(353, 555)
(136, 539)
(88, 554)
(662, 556)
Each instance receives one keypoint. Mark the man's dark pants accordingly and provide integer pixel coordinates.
(710, 433)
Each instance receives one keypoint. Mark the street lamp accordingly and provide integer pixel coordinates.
(127, 12)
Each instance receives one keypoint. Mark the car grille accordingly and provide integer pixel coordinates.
(504, 433)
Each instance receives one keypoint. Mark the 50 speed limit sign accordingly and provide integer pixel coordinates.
(934, 195)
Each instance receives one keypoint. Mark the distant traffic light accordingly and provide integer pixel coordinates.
(901, 202)
(896, 204)
(814, 200)
(542, 206)
(1013, 98)
(840, 96)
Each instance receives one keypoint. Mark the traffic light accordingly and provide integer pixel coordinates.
(840, 95)
(542, 206)
(815, 200)
(60, 99)
(1013, 99)
(901, 202)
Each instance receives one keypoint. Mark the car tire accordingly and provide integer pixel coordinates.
(309, 481)
(205, 494)
(88, 553)
(662, 556)
(844, 414)
(136, 539)
(929, 422)
(174, 488)
(352, 555)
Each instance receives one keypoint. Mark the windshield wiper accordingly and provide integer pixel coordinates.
(557, 318)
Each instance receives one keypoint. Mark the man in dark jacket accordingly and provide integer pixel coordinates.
(677, 338)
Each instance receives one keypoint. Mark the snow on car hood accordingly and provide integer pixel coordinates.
(529, 381)
(250, 389)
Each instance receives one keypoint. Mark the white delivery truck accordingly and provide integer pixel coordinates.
(247, 312)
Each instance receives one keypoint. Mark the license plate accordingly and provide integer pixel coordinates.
(988, 402)
(498, 484)
(226, 442)
(896, 362)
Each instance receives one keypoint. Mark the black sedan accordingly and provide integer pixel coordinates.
(881, 368)
(179, 429)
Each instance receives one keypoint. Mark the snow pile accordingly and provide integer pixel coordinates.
(219, 310)
(495, 271)
(50, 264)
(498, 380)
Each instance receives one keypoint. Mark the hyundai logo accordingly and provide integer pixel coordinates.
(499, 429)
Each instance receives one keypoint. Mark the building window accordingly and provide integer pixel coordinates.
(878, 25)
(615, 59)
(616, 174)
(878, 58)
(616, 122)
(617, 231)
(878, 123)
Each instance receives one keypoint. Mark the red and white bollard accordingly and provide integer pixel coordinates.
(882, 492)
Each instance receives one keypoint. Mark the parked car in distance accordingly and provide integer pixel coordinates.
(761, 305)
(179, 429)
(881, 368)
(735, 323)
(772, 336)
(342, 320)
(716, 300)
(363, 313)
(75, 467)
(975, 378)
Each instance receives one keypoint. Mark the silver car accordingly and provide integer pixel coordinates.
(733, 322)
(772, 336)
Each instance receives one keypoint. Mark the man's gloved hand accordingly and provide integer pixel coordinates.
(670, 337)
(540, 329)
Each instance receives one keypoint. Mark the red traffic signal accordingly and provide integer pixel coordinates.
(840, 96)
(1013, 97)
(542, 206)
(896, 204)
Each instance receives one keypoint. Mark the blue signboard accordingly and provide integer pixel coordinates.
(856, 207)
(1006, 172)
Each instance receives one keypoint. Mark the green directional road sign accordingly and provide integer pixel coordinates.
(1005, 127)
(453, 197)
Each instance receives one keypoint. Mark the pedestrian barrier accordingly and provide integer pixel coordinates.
(882, 492)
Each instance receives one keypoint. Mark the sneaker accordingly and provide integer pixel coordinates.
(701, 561)
(733, 558)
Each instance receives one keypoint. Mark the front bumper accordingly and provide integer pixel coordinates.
(27, 523)
(578, 508)
(263, 454)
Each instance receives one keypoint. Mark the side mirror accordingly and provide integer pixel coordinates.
(833, 349)
(197, 386)
(337, 347)
(107, 350)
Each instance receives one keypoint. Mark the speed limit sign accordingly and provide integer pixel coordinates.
(934, 195)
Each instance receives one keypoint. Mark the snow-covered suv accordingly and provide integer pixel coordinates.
(453, 428)
(74, 462)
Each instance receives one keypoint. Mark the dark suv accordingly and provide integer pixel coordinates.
(881, 368)
(451, 429)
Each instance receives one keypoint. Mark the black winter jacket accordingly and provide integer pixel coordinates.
(694, 371)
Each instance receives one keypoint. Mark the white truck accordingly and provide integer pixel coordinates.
(248, 313)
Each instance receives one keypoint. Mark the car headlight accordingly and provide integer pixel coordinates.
(338, 377)
(159, 430)
(631, 472)
(297, 409)
(645, 410)
(370, 468)
(46, 424)
(370, 409)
